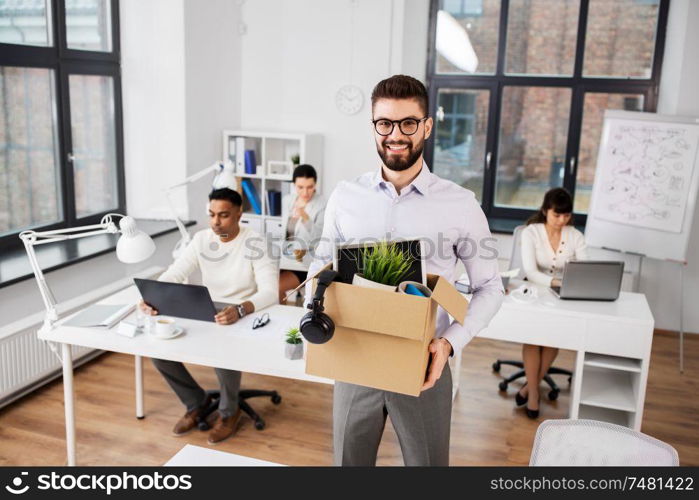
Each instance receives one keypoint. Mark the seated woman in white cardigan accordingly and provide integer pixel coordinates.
(302, 216)
(548, 242)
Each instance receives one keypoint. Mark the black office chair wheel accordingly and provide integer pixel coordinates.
(553, 395)
(496, 368)
(503, 385)
(276, 399)
(259, 424)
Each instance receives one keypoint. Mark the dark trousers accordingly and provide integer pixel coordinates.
(190, 392)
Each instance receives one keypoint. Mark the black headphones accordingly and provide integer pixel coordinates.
(316, 326)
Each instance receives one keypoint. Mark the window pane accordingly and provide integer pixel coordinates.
(593, 119)
(29, 175)
(541, 36)
(94, 150)
(26, 22)
(89, 25)
(620, 38)
(465, 27)
(461, 129)
(533, 138)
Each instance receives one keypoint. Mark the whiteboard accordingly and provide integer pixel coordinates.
(645, 189)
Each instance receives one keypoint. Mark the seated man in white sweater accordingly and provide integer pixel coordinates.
(236, 269)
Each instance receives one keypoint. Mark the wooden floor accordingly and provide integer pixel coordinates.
(487, 429)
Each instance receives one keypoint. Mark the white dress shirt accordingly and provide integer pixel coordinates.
(540, 262)
(235, 271)
(445, 215)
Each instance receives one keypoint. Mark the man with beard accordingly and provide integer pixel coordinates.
(402, 199)
(237, 270)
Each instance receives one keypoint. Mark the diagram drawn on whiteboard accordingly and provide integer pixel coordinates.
(646, 174)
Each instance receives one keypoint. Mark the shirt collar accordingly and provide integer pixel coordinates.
(420, 183)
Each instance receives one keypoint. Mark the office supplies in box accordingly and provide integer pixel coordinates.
(381, 337)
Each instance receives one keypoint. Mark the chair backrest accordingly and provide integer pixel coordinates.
(516, 255)
(593, 443)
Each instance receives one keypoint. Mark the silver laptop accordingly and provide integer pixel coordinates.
(590, 280)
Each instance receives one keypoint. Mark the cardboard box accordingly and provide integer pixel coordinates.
(381, 337)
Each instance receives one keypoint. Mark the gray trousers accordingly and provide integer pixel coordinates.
(422, 423)
(190, 392)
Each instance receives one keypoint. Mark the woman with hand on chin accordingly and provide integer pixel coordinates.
(548, 242)
(302, 214)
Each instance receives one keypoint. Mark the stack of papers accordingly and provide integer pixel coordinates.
(100, 315)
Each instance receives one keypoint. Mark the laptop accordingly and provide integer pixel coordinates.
(179, 300)
(590, 280)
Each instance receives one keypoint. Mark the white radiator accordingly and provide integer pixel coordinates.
(27, 362)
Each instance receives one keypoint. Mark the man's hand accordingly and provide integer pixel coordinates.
(556, 282)
(147, 309)
(440, 350)
(227, 316)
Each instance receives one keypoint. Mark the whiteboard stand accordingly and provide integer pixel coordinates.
(646, 188)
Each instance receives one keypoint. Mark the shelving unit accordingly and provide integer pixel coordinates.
(279, 149)
(610, 389)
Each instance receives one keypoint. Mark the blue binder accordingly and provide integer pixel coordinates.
(251, 195)
(250, 162)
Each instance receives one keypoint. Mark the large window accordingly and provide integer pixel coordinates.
(61, 161)
(518, 90)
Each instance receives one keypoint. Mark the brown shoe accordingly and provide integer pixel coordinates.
(223, 428)
(189, 420)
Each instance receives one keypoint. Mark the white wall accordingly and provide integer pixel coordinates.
(296, 55)
(153, 87)
(212, 75)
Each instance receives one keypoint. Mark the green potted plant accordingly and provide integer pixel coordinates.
(295, 159)
(383, 266)
(294, 344)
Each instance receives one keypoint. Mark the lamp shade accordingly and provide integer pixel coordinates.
(134, 245)
(454, 44)
(225, 178)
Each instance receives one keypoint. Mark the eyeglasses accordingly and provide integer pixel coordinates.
(260, 321)
(407, 126)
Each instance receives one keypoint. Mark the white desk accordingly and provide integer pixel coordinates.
(235, 347)
(196, 456)
(612, 341)
(293, 264)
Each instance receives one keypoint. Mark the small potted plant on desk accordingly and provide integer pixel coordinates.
(382, 266)
(294, 344)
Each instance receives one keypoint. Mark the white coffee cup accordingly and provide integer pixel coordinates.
(164, 326)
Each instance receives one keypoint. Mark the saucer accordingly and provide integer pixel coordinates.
(178, 331)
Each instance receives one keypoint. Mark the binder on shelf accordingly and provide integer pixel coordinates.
(240, 155)
(274, 202)
(250, 162)
(251, 195)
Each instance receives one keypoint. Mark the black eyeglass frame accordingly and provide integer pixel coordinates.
(400, 125)
(260, 321)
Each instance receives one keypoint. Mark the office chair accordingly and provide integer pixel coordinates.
(516, 262)
(203, 425)
(594, 443)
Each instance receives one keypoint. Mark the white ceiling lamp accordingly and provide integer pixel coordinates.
(454, 44)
